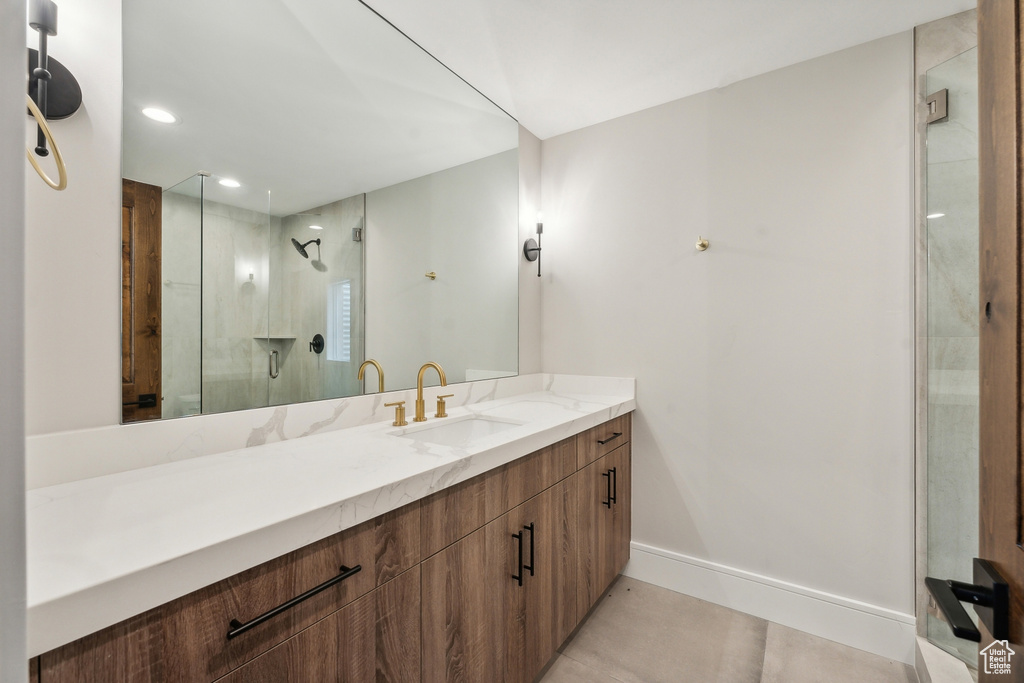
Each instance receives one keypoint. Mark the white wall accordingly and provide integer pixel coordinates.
(13, 651)
(529, 283)
(72, 280)
(774, 433)
(454, 223)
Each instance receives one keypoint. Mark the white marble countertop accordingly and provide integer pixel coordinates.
(103, 549)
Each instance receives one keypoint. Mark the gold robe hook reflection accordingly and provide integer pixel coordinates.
(702, 244)
(62, 171)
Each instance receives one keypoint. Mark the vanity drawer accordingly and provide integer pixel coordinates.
(186, 639)
(195, 642)
(459, 510)
(603, 439)
(196, 646)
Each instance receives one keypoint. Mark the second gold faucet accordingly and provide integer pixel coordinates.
(380, 373)
(420, 404)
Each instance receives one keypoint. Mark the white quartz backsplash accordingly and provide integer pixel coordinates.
(70, 456)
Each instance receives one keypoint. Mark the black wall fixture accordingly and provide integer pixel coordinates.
(531, 248)
(317, 345)
(301, 248)
(50, 84)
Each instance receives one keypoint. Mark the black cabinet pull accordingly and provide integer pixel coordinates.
(615, 486)
(614, 436)
(519, 577)
(529, 527)
(608, 476)
(238, 628)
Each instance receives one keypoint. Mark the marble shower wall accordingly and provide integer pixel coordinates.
(236, 269)
(305, 293)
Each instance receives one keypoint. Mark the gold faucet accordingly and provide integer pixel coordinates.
(380, 373)
(420, 405)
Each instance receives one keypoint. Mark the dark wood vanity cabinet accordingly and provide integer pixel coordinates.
(499, 602)
(186, 640)
(482, 581)
(480, 622)
(375, 638)
(604, 524)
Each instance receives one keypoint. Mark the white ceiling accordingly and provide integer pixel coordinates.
(560, 65)
(316, 100)
(310, 101)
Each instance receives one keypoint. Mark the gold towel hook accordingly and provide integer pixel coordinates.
(62, 170)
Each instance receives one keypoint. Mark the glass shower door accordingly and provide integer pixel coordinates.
(952, 331)
(181, 300)
(235, 359)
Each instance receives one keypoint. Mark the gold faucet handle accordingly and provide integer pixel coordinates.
(440, 405)
(399, 413)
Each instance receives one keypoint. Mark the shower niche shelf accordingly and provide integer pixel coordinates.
(275, 337)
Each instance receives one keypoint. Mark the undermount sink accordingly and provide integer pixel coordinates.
(458, 432)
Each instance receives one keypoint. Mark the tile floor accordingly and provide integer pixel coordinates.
(640, 633)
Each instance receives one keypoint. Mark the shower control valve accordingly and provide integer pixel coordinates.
(317, 345)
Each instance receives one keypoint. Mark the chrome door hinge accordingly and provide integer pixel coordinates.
(938, 106)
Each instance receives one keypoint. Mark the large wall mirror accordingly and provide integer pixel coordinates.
(314, 191)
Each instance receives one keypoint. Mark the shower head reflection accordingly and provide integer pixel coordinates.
(301, 248)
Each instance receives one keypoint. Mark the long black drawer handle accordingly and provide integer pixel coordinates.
(529, 527)
(614, 436)
(608, 503)
(615, 486)
(238, 628)
(519, 577)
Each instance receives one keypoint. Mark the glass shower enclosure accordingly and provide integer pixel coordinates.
(259, 309)
(952, 336)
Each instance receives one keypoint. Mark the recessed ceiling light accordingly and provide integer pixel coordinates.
(228, 182)
(935, 215)
(316, 227)
(160, 115)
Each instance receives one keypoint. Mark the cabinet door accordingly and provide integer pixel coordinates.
(550, 591)
(372, 639)
(604, 525)
(463, 596)
(486, 615)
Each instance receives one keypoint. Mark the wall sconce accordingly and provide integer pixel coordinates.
(531, 248)
(53, 93)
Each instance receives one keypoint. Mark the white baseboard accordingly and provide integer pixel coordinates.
(861, 625)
